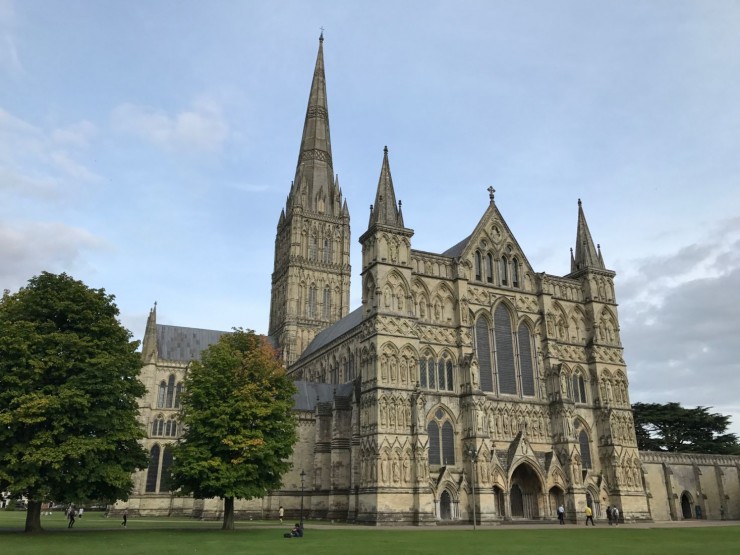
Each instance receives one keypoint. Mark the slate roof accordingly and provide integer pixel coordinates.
(311, 393)
(454, 252)
(324, 337)
(184, 344)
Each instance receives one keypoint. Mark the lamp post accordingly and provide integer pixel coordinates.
(473, 459)
(303, 477)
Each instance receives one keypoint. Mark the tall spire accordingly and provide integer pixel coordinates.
(385, 210)
(314, 171)
(586, 255)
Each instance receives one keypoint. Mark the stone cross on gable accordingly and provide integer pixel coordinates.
(491, 191)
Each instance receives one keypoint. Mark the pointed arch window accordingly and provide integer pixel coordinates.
(313, 247)
(436, 374)
(169, 402)
(327, 302)
(441, 434)
(489, 268)
(158, 426)
(504, 351)
(579, 388)
(585, 444)
(504, 270)
(327, 251)
(165, 476)
(311, 309)
(178, 396)
(514, 272)
(483, 350)
(423, 372)
(478, 267)
(151, 473)
(162, 394)
(526, 361)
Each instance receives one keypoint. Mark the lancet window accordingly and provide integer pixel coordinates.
(441, 439)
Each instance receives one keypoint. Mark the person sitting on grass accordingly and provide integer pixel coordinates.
(296, 532)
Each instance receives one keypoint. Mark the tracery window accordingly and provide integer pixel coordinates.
(158, 426)
(504, 351)
(436, 374)
(169, 402)
(441, 439)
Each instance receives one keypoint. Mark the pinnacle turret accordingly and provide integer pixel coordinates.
(586, 255)
(385, 210)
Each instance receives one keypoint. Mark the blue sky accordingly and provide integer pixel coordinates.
(148, 147)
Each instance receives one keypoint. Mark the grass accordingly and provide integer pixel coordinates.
(95, 535)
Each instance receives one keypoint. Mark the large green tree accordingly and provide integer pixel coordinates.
(69, 392)
(671, 427)
(239, 428)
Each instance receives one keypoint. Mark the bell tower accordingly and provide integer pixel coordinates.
(311, 276)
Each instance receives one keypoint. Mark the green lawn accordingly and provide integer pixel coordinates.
(97, 535)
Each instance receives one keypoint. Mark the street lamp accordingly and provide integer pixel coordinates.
(473, 459)
(303, 477)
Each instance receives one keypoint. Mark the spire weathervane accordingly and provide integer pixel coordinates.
(321, 36)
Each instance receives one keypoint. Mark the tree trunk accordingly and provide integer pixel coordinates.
(228, 514)
(33, 517)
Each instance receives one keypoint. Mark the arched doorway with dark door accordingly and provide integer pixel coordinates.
(555, 498)
(525, 492)
(686, 504)
(445, 506)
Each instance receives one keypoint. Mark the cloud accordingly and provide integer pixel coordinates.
(40, 163)
(200, 129)
(30, 248)
(681, 324)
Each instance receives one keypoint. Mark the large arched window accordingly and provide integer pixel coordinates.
(483, 350)
(441, 439)
(165, 477)
(585, 444)
(526, 361)
(436, 374)
(178, 396)
(151, 473)
(169, 403)
(504, 351)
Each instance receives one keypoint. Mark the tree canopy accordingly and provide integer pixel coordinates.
(238, 422)
(671, 427)
(69, 392)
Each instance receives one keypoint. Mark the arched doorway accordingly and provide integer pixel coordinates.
(593, 502)
(524, 493)
(498, 496)
(686, 504)
(445, 506)
(555, 498)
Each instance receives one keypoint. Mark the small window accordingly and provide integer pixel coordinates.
(169, 403)
(489, 268)
(327, 251)
(327, 302)
(477, 266)
(178, 396)
(423, 372)
(514, 273)
(162, 394)
(504, 270)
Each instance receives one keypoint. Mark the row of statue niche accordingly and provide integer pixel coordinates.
(503, 424)
(393, 372)
(613, 390)
(629, 473)
(623, 428)
(395, 469)
(395, 414)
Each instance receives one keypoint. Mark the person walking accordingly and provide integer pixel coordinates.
(71, 516)
(589, 516)
(609, 514)
(125, 518)
(615, 515)
(281, 513)
(561, 515)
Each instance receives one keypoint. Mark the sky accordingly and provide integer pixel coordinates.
(148, 147)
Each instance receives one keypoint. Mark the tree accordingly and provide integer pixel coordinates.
(69, 392)
(671, 427)
(239, 428)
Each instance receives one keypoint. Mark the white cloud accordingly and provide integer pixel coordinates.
(202, 128)
(30, 248)
(36, 162)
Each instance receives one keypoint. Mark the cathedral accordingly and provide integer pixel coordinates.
(467, 385)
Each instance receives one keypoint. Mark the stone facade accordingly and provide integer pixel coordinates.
(466, 380)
